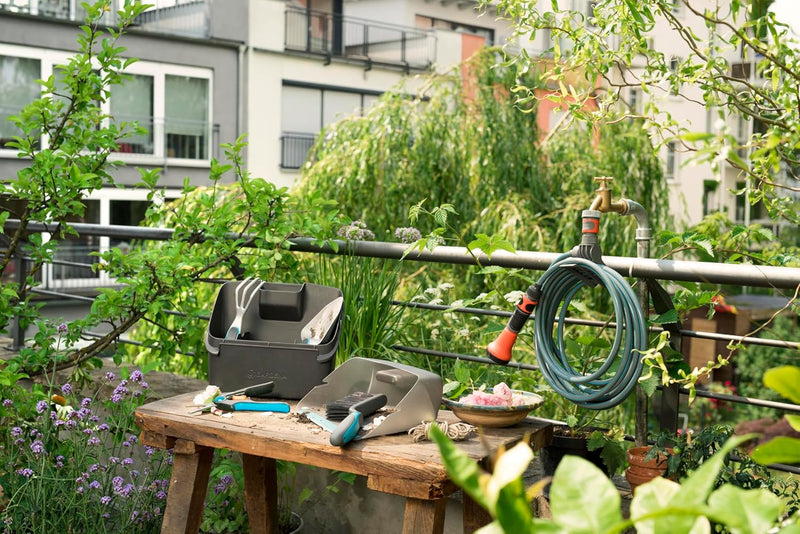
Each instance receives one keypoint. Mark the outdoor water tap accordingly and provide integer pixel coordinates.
(603, 202)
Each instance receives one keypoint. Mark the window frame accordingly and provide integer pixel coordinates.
(49, 58)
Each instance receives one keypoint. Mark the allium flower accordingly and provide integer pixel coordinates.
(407, 234)
(356, 230)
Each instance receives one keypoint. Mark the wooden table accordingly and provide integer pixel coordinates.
(392, 464)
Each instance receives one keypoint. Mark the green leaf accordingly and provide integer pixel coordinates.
(785, 380)
(745, 511)
(778, 450)
(582, 498)
(462, 469)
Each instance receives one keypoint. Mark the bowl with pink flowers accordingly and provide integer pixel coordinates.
(498, 408)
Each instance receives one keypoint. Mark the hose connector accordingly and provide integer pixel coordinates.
(589, 248)
(499, 350)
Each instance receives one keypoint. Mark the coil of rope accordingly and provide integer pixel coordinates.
(611, 382)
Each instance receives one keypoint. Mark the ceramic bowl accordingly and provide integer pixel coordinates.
(494, 416)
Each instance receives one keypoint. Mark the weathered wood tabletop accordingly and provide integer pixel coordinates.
(392, 464)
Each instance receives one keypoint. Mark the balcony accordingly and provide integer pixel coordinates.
(332, 35)
(294, 149)
(189, 18)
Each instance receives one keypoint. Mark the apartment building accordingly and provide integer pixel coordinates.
(210, 70)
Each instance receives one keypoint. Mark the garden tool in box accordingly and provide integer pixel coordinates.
(412, 396)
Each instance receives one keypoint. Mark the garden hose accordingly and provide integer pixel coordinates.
(616, 377)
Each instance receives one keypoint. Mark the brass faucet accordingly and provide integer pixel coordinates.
(603, 202)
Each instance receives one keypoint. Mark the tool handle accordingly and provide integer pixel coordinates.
(499, 350)
(259, 390)
(250, 406)
(347, 429)
(370, 406)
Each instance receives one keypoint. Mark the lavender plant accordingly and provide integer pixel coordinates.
(70, 463)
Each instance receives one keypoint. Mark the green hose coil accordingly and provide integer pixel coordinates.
(613, 381)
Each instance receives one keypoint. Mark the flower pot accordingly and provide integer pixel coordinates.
(293, 526)
(643, 470)
(574, 445)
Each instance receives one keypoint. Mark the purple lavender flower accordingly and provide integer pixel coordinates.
(79, 489)
(16, 432)
(95, 484)
(41, 406)
(162, 495)
(66, 389)
(8, 403)
(408, 234)
(133, 439)
(62, 328)
(127, 461)
(110, 376)
(26, 472)
(94, 467)
(94, 440)
(117, 481)
(85, 402)
(224, 483)
(136, 376)
(103, 427)
(59, 461)
(37, 447)
(105, 499)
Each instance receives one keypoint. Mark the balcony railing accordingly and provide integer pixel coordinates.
(175, 17)
(670, 403)
(294, 149)
(332, 35)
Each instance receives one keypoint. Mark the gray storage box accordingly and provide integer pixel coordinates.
(270, 347)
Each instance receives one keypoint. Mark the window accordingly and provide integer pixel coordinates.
(305, 110)
(132, 101)
(186, 123)
(674, 63)
(671, 167)
(18, 88)
(745, 211)
(677, 7)
(426, 22)
(634, 100)
(171, 102)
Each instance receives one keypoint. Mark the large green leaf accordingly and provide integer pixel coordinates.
(582, 498)
(746, 511)
(462, 469)
(785, 380)
(648, 507)
(779, 450)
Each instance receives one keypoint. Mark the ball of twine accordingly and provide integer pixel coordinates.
(455, 431)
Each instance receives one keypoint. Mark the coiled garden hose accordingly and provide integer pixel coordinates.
(616, 377)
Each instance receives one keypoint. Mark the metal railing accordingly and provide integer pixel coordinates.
(787, 278)
(294, 149)
(333, 35)
(189, 18)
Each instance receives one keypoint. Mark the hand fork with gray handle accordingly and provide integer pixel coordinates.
(245, 291)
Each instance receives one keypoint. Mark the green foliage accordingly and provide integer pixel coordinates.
(70, 463)
(584, 500)
(786, 381)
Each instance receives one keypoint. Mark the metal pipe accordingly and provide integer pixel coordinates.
(688, 271)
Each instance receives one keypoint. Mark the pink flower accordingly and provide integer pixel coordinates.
(501, 395)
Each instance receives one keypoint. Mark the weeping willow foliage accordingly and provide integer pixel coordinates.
(458, 142)
(463, 141)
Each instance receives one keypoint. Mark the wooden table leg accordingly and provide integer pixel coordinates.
(474, 516)
(187, 488)
(261, 493)
(424, 516)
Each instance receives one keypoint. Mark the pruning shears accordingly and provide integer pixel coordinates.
(239, 400)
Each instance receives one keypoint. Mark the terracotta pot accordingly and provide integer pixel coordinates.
(641, 470)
